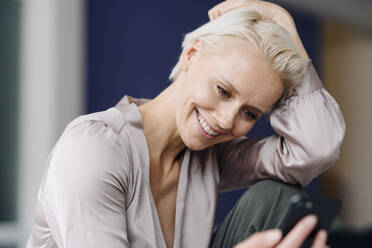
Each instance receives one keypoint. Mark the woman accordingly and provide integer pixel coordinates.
(146, 173)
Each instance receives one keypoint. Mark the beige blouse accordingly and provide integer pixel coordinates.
(95, 191)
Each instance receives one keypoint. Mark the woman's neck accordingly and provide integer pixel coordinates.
(159, 125)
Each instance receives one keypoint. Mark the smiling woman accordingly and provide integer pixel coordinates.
(228, 90)
(146, 173)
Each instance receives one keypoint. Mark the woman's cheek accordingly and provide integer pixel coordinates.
(243, 128)
(205, 97)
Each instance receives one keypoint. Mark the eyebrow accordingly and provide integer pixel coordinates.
(226, 81)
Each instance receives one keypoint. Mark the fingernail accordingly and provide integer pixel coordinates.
(274, 236)
(324, 234)
(311, 220)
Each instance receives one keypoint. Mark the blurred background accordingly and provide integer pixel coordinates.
(63, 58)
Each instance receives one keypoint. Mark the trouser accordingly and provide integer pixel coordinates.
(261, 207)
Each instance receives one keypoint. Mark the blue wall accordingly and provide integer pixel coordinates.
(133, 45)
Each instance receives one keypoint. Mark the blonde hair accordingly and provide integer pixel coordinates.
(269, 38)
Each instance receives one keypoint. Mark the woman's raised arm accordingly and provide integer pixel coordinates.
(309, 131)
(309, 126)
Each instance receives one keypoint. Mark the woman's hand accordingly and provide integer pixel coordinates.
(294, 239)
(268, 11)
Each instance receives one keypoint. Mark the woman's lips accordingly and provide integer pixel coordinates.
(205, 129)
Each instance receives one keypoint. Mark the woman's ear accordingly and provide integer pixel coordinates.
(189, 54)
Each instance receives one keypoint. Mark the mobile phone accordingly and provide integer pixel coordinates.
(326, 209)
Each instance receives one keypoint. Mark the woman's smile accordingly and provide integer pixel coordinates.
(205, 129)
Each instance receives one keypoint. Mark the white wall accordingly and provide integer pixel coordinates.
(347, 72)
(51, 90)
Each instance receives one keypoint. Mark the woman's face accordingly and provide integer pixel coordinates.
(220, 96)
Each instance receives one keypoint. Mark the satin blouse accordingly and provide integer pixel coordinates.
(95, 191)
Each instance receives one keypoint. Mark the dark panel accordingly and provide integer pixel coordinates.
(132, 46)
(8, 246)
(9, 31)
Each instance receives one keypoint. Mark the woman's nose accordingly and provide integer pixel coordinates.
(225, 118)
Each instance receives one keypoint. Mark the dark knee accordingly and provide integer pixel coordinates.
(261, 207)
(269, 199)
(268, 190)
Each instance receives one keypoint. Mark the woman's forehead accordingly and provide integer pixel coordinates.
(241, 61)
(245, 71)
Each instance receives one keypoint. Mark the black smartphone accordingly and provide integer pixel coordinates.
(326, 209)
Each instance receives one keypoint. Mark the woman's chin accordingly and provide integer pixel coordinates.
(195, 145)
(196, 148)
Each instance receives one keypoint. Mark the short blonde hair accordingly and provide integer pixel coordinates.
(269, 38)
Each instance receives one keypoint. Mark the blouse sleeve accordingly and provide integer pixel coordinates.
(85, 188)
(309, 131)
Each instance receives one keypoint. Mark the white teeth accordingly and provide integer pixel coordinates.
(205, 126)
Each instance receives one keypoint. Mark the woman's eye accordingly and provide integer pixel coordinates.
(250, 116)
(223, 92)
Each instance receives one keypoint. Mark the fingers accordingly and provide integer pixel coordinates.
(299, 233)
(224, 7)
(320, 240)
(266, 239)
(294, 239)
(267, 10)
(216, 11)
